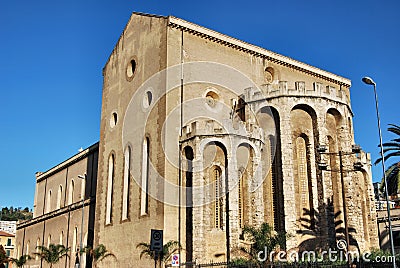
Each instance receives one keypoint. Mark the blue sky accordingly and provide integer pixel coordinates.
(53, 52)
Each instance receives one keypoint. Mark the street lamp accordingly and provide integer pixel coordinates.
(83, 177)
(367, 80)
(357, 166)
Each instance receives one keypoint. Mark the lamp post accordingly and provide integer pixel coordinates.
(356, 167)
(83, 177)
(367, 80)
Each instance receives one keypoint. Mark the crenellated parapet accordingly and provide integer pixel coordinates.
(297, 89)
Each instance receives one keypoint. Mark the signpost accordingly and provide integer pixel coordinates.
(156, 243)
(175, 260)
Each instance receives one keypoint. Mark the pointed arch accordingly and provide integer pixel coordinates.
(144, 195)
(189, 156)
(127, 183)
(71, 192)
(110, 188)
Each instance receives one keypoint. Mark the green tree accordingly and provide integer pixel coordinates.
(169, 248)
(98, 253)
(53, 254)
(263, 238)
(392, 149)
(3, 257)
(21, 261)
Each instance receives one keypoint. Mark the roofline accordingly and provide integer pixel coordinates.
(42, 175)
(123, 32)
(241, 45)
(6, 234)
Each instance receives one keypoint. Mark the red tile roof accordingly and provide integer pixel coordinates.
(2, 233)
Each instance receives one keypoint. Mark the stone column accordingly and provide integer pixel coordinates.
(199, 223)
(288, 178)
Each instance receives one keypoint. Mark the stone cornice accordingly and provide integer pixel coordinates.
(42, 175)
(55, 213)
(252, 49)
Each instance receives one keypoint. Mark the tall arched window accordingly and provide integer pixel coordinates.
(48, 202)
(37, 250)
(240, 199)
(218, 204)
(305, 206)
(61, 237)
(110, 185)
(49, 240)
(28, 247)
(127, 182)
(144, 196)
(59, 197)
(74, 240)
(71, 192)
(83, 188)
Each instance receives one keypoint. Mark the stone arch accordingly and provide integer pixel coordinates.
(269, 120)
(305, 136)
(188, 178)
(334, 120)
(214, 155)
(245, 159)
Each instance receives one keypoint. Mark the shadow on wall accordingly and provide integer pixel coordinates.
(324, 229)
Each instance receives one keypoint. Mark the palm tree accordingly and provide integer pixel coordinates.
(20, 262)
(393, 179)
(168, 249)
(53, 254)
(392, 149)
(263, 238)
(98, 253)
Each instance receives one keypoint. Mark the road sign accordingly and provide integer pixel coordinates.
(175, 260)
(156, 240)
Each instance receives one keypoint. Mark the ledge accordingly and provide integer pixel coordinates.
(55, 213)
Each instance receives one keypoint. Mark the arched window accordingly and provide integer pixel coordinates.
(127, 182)
(218, 204)
(240, 199)
(144, 197)
(59, 197)
(61, 237)
(71, 192)
(48, 202)
(110, 185)
(49, 240)
(27, 247)
(37, 250)
(305, 199)
(74, 240)
(83, 187)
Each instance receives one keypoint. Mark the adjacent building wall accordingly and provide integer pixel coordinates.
(58, 216)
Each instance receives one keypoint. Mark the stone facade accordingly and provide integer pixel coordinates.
(57, 212)
(202, 134)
